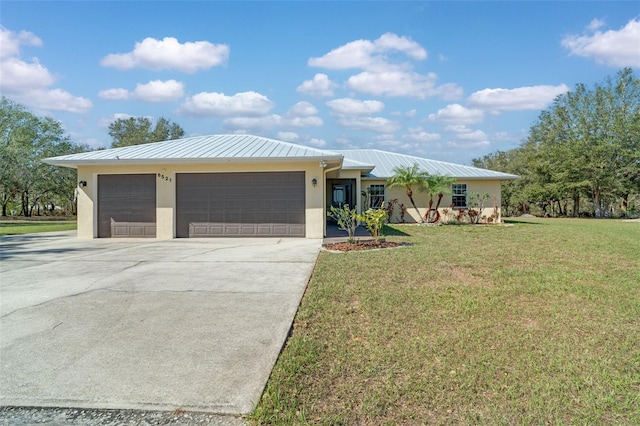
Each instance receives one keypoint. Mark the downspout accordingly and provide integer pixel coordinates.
(324, 193)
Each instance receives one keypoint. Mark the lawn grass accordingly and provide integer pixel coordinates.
(30, 226)
(534, 323)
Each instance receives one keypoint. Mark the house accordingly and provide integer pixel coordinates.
(242, 186)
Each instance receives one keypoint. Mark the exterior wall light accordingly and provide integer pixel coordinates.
(82, 183)
(314, 182)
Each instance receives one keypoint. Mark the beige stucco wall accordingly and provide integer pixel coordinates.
(165, 192)
(422, 199)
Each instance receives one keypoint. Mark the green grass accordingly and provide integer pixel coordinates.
(534, 323)
(17, 226)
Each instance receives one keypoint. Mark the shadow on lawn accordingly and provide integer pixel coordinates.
(390, 231)
(522, 222)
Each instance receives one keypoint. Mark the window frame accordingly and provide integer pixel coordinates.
(379, 194)
(458, 191)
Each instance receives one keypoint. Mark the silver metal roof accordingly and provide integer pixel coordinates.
(373, 163)
(200, 149)
(385, 162)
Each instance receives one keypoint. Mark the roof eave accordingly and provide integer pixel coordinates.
(160, 161)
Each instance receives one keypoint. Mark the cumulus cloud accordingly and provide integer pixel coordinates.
(299, 115)
(457, 114)
(302, 109)
(153, 91)
(115, 94)
(213, 104)
(29, 82)
(10, 42)
(612, 48)
(320, 86)
(104, 122)
(522, 98)
(170, 54)
(371, 55)
(305, 140)
(464, 133)
(375, 124)
(417, 134)
(402, 83)
(159, 91)
(348, 106)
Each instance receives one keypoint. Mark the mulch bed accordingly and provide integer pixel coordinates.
(362, 245)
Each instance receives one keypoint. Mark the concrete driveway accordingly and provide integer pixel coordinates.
(143, 324)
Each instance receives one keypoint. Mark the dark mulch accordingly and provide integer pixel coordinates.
(362, 245)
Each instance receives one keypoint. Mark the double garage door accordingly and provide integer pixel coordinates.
(240, 204)
(269, 204)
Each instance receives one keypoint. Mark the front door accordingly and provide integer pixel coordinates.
(341, 194)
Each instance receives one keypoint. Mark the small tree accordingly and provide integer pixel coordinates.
(346, 218)
(476, 205)
(374, 220)
(437, 185)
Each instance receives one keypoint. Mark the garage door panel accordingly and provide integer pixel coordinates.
(240, 204)
(127, 205)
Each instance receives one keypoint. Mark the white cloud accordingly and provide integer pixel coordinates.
(466, 134)
(613, 48)
(468, 145)
(213, 104)
(371, 55)
(159, 91)
(54, 100)
(348, 106)
(595, 24)
(170, 54)
(522, 98)
(302, 109)
(402, 83)
(115, 94)
(18, 75)
(29, 82)
(319, 87)
(288, 136)
(10, 42)
(305, 140)
(417, 134)
(457, 114)
(375, 124)
(268, 122)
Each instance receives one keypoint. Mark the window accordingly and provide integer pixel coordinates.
(376, 196)
(459, 195)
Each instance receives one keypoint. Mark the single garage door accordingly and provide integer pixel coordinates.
(269, 204)
(126, 205)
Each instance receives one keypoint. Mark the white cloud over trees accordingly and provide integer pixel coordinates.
(614, 48)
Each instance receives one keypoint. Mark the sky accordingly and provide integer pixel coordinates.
(450, 81)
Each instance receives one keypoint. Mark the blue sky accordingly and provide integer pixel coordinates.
(444, 80)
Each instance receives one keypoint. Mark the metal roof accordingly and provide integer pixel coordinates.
(200, 149)
(373, 163)
(385, 162)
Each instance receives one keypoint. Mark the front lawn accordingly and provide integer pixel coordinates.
(12, 226)
(534, 323)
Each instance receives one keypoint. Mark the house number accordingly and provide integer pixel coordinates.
(163, 177)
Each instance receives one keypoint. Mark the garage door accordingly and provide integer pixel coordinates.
(126, 206)
(240, 204)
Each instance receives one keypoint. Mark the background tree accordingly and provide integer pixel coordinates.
(586, 146)
(25, 139)
(139, 130)
(408, 178)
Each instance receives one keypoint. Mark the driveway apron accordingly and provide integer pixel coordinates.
(195, 324)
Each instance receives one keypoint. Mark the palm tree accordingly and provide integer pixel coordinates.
(437, 185)
(409, 177)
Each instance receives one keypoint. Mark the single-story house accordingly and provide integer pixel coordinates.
(243, 185)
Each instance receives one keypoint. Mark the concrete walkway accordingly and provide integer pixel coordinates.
(193, 324)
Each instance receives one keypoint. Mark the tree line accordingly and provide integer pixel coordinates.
(581, 157)
(27, 185)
